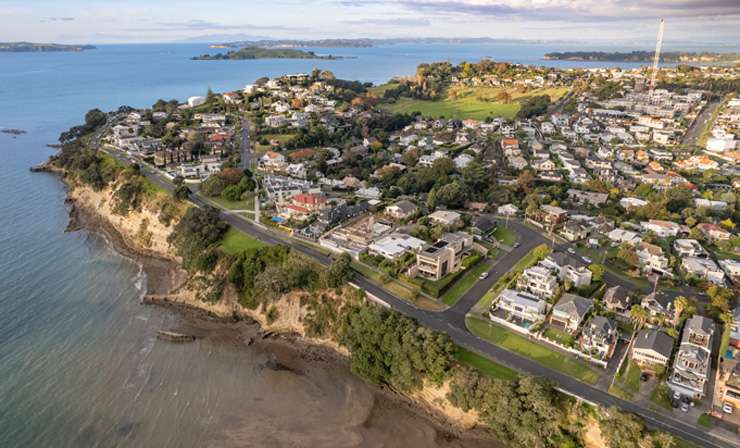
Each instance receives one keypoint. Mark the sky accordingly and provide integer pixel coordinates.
(132, 21)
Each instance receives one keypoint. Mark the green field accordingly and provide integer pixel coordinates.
(505, 236)
(236, 241)
(470, 102)
(234, 205)
(532, 350)
(485, 365)
(282, 138)
(465, 283)
(627, 384)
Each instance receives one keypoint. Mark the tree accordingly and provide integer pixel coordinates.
(339, 271)
(213, 186)
(451, 195)
(197, 232)
(475, 176)
(639, 315)
(504, 97)
(181, 192)
(628, 255)
(231, 193)
(597, 271)
(525, 181)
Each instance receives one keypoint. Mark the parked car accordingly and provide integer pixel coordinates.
(644, 377)
(484, 276)
(727, 408)
(684, 407)
(586, 260)
(571, 251)
(516, 244)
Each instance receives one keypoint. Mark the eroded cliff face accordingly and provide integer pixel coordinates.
(146, 233)
(143, 230)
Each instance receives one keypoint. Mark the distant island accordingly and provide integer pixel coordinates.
(641, 56)
(361, 42)
(30, 47)
(261, 53)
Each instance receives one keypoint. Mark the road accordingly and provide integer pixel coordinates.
(246, 153)
(452, 321)
(698, 126)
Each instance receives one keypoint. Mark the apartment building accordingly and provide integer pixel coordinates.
(691, 366)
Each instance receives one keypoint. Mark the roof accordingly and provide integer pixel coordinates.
(406, 206)
(574, 305)
(484, 223)
(654, 340)
(305, 198)
(700, 324)
(617, 295)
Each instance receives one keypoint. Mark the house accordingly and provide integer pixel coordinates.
(688, 248)
(311, 202)
(539, 281)
(651, 258)
(599, 337)
(272, 161)
(462, 161)
(691, 366)
(508, 210)
(570, 311)
(294, 212)
(620, 236)
(401, 209)
(552, 217)
(525, 308)
(631, 203)
(444, 256)
(710, 205)
(565, 268)
(483, 225)
(573, 231)
(729, 386)
(587, 197)
(662, 229)
(731, 267)
(704, 268)
(651, 350)
(195, 101)
(394, 245)
(735, 328)
(713, 232)
(617, 299)
(659, 306)
(445, 217)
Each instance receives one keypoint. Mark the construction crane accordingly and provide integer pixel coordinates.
(656, 59)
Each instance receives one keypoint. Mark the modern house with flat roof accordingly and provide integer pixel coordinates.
(693, 361)
(444, 256)
(521, 307)
(395, 245)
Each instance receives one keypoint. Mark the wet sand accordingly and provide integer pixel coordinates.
(292, 393)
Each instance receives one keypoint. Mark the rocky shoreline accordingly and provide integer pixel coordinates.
(165, 279)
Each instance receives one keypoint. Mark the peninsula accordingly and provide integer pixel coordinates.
(30, 47)
(641, 56)
(262, 53)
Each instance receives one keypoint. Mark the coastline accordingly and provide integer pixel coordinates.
(166, 286)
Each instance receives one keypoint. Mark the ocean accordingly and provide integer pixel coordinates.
(79, 361)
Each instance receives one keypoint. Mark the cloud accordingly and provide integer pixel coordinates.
(205, 25)
(58, 19)
(564, 10)
(392, 22)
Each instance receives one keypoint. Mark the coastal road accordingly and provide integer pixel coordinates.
(697, 127)
(246, 152)
(452, 321)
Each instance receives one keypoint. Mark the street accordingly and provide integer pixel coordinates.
(452, 321)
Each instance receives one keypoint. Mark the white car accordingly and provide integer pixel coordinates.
(483, 276)
(571, 251)
(727, 408)
(586, 259)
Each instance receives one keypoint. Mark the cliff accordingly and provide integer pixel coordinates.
(143, 233)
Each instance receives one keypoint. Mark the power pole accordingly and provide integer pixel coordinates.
(656, 59)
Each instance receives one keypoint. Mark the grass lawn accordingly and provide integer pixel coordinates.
(471, 102)
(661, 396)
(627, 384)
(532, 257)
(505, 236)
(465, 283)
(559, 336)
(485, 365)
(282, 138)
(234, 205)
(705, 420)
(236, 241)
(530, 349)
(409, 294)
